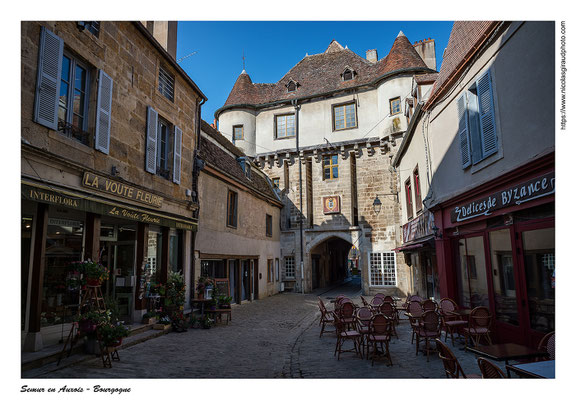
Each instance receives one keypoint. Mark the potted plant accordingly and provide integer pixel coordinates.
(203, 283)
(194, 322)
(206, 322)
(150, 318)
(224, 301)
(88, 322)
(164, 323)
(112, 335)
(93, 272)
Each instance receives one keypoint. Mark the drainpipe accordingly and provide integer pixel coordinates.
(296, 109)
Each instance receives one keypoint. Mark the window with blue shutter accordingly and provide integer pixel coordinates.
(463, 131)
(488, 134)
(177, 155)
(477, 131)
(151, 140)
(103, 113)
(50, 54)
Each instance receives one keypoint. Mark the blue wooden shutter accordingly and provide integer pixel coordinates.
(464, 131)
(488, 134)
(103, 113)
(177, 155)
(151, 140)
(50, 54)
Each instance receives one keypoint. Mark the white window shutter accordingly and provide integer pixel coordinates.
(464, 131)
(151, 140)
(488, 134)
(103, 112)
(177, 155)
(50, 54)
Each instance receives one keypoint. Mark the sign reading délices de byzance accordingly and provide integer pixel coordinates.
(533, 189)
(120, 189)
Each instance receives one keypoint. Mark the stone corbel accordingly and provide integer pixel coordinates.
(343, 153)
(384, 145)
(302, 158)
(288, 159)
(276, 160)
(317, 156)
(269, 161)
(370, 149)
(357, 151)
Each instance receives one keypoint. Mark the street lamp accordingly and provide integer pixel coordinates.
(377, 205)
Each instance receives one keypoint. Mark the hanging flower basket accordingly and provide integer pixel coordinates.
(87, 326)
(94, 282)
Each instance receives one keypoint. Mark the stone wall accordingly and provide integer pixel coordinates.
(129, 58)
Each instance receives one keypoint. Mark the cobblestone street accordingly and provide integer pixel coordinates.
(276, 337)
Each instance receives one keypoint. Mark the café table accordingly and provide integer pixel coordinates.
(540, 369)
(506, 352)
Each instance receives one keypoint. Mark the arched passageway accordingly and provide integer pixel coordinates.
(329, 262)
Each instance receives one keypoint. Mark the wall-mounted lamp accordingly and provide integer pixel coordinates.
(436, 234)
(377, 205)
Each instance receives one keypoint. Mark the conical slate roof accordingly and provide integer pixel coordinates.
(322, 73)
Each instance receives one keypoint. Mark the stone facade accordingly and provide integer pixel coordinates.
(330, 240)
(57, 198)
(248, 240)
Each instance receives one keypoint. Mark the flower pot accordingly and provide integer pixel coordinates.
(87, 326)
(162, 327)
(225, 306)
(150, 320)
(114, 344)
(94, 282)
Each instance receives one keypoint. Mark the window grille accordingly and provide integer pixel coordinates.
(166, 83)
(382, 269)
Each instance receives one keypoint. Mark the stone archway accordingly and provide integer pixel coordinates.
(328, 259)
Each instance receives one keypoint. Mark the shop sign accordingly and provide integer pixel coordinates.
(533, 189)
(64, 222)
(419, 227)
(121, 189)
(331, 204)
(103, 208)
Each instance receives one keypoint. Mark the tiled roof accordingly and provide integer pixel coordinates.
(216, 157)
(321, 73)
(426, 78)
(465, 38)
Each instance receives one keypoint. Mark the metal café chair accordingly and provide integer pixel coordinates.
(452, 367)
(478, 327)
(548, 344)
(387, 309)
(414, 312)
(363, 318)
(429, 329)
(451, 322)
(343, 335)
(380, 327)
(326, 317)
(490, 370)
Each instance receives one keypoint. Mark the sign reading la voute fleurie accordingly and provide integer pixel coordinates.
(542, 186)
(117, 188)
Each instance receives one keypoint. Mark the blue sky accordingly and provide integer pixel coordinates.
(271, 48)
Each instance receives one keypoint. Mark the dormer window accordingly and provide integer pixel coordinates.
(245, 165)
(292, 86)
(348, 74)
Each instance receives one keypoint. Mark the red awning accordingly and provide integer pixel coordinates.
(427, 242)
(408, 247)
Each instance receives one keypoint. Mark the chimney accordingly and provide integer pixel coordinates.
(215, 124)
(372, 55)
(427, 51)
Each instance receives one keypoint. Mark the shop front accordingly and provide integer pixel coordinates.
(61, 225)
(498, 251)
(420, 254)
(236, 276)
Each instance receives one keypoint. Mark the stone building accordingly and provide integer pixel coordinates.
(109, 132)
(483, 142)
(238, 241)
(325, 134)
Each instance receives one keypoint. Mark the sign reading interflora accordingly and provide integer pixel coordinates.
(120, 189)
(533, 189)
